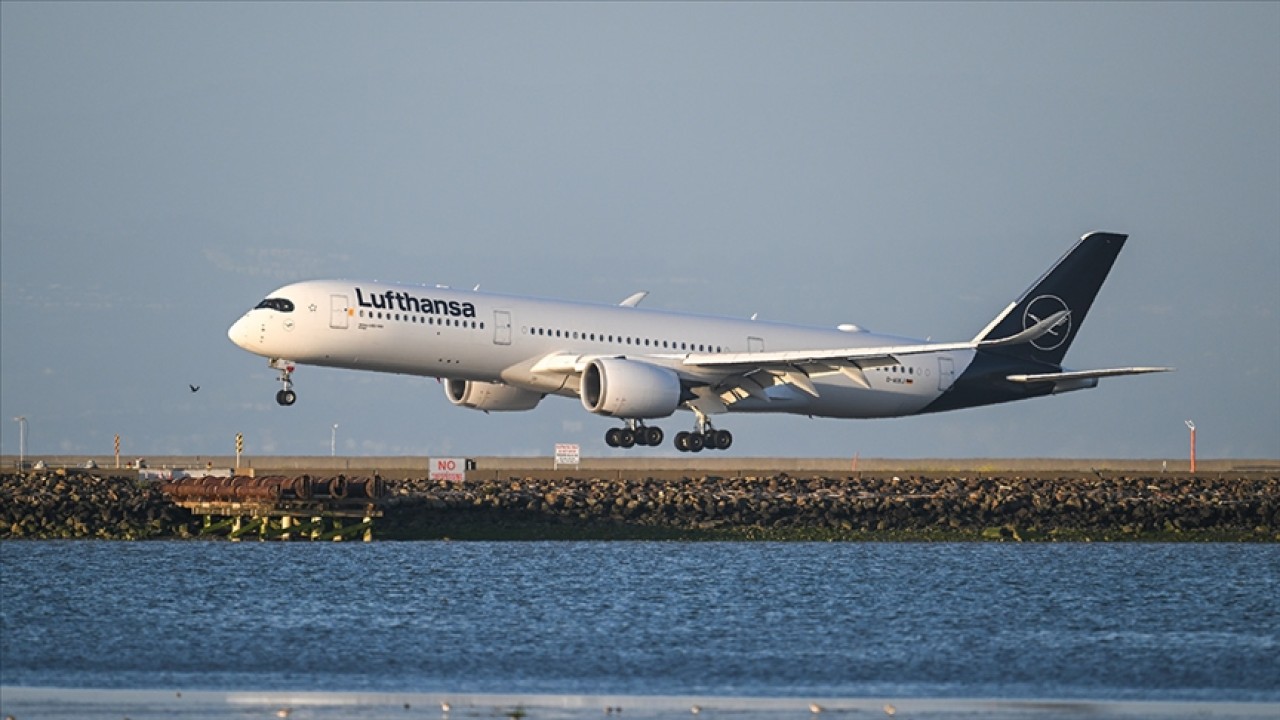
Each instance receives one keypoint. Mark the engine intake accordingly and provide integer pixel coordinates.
(628, 389)
(490, 396)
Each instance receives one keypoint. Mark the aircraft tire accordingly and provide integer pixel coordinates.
(652, 436)
(286, 397)
(611, 437)
(695, 442)
(721, 439)
(682, 441)
(626, 438)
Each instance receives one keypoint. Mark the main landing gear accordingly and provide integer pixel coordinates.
(635, 433)
(704, 437)
(286, 396)
(711, 439)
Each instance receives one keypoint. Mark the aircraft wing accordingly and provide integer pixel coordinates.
(749, 374)
(865, 357)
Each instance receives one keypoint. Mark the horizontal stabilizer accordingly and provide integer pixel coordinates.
(1085, 374)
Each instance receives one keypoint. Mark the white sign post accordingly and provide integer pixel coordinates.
(567, 454)
(450, 469)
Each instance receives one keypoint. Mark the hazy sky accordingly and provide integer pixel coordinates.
(910, 168)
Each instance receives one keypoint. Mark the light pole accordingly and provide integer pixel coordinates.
(22, 441)
(333, 441)
(1192, 427)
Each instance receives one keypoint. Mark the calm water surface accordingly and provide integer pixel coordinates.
(1122, 621)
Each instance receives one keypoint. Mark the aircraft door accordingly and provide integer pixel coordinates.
(338, 309)
(501, 327)
(755, 344)
(946, 372)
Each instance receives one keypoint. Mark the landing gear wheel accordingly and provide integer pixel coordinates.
(286, 396)
(652, 436)
(682, 441)
(695, 442)
(719, 439)
(611, 437)
(626, 438)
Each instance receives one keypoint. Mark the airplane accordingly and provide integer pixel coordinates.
(496, 352)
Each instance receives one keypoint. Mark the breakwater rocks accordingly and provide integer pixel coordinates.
(1041, 507)
(937, 506)
(53, 505)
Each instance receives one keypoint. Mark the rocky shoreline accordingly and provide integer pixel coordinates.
(936, 506)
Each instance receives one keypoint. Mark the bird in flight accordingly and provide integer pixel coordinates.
(194, 388)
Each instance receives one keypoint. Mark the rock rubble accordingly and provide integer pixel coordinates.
(869, 506)
(995, 507)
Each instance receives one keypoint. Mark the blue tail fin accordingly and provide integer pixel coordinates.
(1071, 284)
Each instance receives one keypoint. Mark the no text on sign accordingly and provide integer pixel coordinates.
(449, 469)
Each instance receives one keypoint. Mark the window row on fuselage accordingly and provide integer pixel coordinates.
(610, 339)
(904, 369)
(607, 338)
(422, 319)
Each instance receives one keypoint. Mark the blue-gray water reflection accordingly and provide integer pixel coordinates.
(1123, 621)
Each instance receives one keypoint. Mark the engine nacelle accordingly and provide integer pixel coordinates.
(629, 389)
(487, 396)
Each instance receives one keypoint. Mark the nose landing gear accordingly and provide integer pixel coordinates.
(286, 396)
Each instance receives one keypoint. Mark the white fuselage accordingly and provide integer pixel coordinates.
(527, 343)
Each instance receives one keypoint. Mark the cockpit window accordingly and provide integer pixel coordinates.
(279, 304)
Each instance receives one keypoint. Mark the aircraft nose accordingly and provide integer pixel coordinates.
(240, 332)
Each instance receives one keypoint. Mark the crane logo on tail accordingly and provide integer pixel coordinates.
(1041, 308)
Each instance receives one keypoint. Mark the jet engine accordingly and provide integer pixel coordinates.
(629, 389)
(490, 396)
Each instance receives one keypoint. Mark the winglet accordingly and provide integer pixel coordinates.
(635, 299)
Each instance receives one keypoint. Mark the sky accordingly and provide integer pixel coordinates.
(911, 168)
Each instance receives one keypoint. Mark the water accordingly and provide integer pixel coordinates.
(1104, 622)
